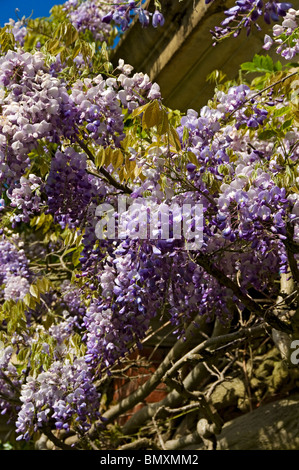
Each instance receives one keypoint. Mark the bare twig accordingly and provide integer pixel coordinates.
(180, 348)
(158, 432)
(105, 173)
(268, 316)
(260, 93)
(141, 443)
(57, 442)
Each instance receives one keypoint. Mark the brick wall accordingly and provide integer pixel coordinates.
(144, 363)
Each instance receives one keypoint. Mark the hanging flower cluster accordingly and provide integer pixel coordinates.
(210, 218)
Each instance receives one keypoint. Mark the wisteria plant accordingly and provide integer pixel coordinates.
(80, 137)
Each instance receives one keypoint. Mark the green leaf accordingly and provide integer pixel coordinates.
(217, 76)
(192, 158)
(287, 124)
(76, 49)
(185, 134)
(174, 139)
(280, 111)
(76, 256)
(248, 66)
(267, 134)
(108, 66)
(40, 220)
(152, 115)
(163, 126)
(137, 111)
(100, 157)
(43, 220)
(259, 63)
(71, 35)
(117, 158)
(104, 51)
(34, 291)
(43, 285)
(7, 39)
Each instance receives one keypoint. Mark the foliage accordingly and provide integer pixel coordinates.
(80, 137)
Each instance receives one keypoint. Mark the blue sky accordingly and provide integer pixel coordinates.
(39, 8)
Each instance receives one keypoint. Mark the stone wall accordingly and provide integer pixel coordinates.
(180, 55)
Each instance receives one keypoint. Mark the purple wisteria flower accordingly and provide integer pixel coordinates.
(143, 17)
(285, 36)
(61, 395)
(15, 275)
(246, 13)
(158, 19)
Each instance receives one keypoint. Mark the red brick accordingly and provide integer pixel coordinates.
(137, 376)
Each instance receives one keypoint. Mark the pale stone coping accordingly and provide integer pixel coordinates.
(180, 55)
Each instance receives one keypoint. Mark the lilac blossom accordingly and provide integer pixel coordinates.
(63, 394)
(120, 285)
(285, 36)
(100, 17)
(18, 29)
(158, 19)
(14, 270)
(246, 14)
(9, 395)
